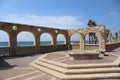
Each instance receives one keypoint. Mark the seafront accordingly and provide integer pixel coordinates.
(98, 59)
(18, 68)
(60, 40)
(99, 33)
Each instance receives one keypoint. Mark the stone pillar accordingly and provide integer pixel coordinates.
(82, 42)
(101, 41)
(54, 42)
(37, 42)
(68, 42)
(13, 42)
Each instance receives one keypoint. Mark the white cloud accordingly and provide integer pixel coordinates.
(63, 22)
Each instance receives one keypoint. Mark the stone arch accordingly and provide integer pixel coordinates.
(25, 38)
(46, 39)
(95, 39)
(90, 31)
(75, 38)
(4, 40)
(61, 39)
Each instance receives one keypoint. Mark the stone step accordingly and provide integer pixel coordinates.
(79, 66)
(78, 71)
(92, 71)
(50, 66)
(46, 70)
(76, 76)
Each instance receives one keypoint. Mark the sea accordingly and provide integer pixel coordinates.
(29, 43)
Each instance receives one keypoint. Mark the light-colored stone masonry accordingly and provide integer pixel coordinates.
(14, 29)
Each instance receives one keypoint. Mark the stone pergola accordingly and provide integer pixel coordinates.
(100, 30)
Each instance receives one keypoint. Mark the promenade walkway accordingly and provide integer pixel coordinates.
(18, 68)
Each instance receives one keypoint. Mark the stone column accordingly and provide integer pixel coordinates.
(68, 42)
(54, 42)
(82, 42)
(37, 42)
(13, 42)
(101, 41)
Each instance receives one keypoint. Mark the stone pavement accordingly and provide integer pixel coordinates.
(18, 68)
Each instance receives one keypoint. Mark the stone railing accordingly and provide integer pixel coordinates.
(111, 46)
(25, 50)
(91, 46)
(50, 48)
(46, 48)
(74, 46)
(87, 46)
(4, 51)
(61, 47)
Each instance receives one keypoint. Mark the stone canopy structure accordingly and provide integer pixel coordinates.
(100, 30)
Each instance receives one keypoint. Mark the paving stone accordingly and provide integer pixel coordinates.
(20, 65)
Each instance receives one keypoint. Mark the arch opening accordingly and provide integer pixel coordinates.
(61, 39)
(4, 39)
(91, 38)
(46, 39)
(25, 38)
(75, 39)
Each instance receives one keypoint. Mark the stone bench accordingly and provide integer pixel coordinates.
(78, 55)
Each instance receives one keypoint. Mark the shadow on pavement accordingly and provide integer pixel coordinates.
(4, 65)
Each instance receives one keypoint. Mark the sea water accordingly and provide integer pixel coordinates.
(29, 43)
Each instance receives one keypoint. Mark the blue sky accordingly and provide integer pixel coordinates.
(65, 14)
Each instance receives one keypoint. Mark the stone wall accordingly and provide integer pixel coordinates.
(111, 46)
(25, 50)
(14, 29)
(4, 51)
(74, 46)
(86, 46)
(91, 46)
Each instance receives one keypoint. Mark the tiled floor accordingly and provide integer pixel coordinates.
(19, 68)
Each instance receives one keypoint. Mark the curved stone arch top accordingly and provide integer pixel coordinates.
(25, 28)
(95, 29)
(76, 35)
(32, 32)
(65, 38)
(73, 31)
(97, 32)
(28, 33)
(5, 32)
(7, 35)
(87, 32)
(48, 33)
(96, 35)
